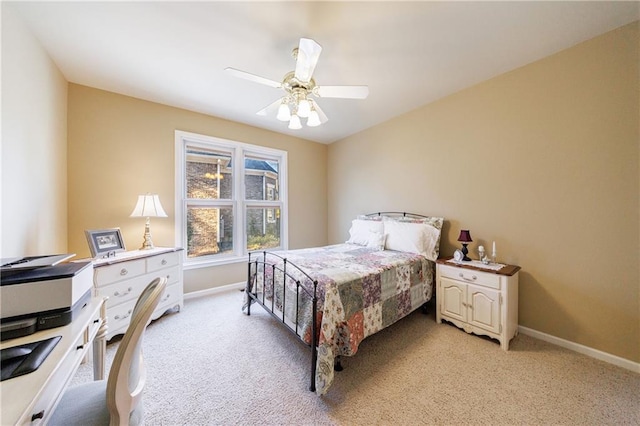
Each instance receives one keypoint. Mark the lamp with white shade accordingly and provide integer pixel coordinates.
(148, 206)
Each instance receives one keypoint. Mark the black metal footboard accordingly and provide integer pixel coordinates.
(305, 287)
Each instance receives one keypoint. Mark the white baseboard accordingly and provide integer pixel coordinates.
(594, 353)
(215, 290)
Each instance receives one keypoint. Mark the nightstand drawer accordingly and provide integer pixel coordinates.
(471, 276)
(105, 275)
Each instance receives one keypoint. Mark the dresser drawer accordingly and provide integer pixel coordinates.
(173, 275)
(162, 261)
(105, 275)
(172, 295)
(119, 316)
(123, 291)
(171, 298)
(471, 276)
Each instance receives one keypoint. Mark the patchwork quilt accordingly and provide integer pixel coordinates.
(360, 291)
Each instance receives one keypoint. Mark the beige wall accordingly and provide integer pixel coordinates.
(543, 160)
(34, 150)
(120, 147)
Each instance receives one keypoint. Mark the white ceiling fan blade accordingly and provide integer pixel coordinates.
(321, 114)
(308, 54)
(253, 77)
(347, 92)
(270, 109)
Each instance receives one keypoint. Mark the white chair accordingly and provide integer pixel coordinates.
(117, 400)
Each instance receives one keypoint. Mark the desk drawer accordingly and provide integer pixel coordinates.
(44, 407)
(48, 400)
(105, 275)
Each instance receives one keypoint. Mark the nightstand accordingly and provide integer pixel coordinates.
(478, 300)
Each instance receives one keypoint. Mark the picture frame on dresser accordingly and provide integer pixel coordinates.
(105, 242)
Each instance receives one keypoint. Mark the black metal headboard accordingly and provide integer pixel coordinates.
(404, 214)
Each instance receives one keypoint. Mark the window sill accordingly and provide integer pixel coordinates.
(195, 264)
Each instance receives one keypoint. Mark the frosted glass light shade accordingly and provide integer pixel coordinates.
(304, 108)
(294, 123)
(148, 206)
(314, 119)
(283, 112)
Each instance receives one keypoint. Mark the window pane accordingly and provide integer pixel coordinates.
(263, 228)
(261, 179)
(208, 174)
(209, 231)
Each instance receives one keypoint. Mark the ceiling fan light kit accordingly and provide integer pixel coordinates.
(299, 87)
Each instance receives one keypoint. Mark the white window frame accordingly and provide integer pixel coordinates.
(238, 203)
(269, 192)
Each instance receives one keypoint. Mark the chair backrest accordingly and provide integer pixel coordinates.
(127, 374)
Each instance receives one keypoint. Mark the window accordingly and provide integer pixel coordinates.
(230, 198)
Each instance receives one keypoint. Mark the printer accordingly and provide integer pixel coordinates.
(43, 297)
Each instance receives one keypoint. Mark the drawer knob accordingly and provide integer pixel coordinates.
(37, 416)
(123, 271)
(118, 317)
(164, 261)
(473, 277)
(129, 290)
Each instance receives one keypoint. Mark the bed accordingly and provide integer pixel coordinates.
(333, 297)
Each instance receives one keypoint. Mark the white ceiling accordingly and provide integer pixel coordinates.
(408, 53)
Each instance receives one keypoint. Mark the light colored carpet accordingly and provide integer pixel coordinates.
(211, 364)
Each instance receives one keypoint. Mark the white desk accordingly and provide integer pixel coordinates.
(31, 398)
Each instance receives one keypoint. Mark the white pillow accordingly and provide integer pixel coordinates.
(361, 231)
(419, 238)
(376, 240)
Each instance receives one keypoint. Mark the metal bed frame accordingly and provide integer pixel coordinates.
(308, 286)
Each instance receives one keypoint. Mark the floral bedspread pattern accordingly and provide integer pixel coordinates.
(360, 291)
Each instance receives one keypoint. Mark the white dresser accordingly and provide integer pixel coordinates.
(123, 277)
(478, 301)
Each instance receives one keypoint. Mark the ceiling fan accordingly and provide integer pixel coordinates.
(300, 88)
